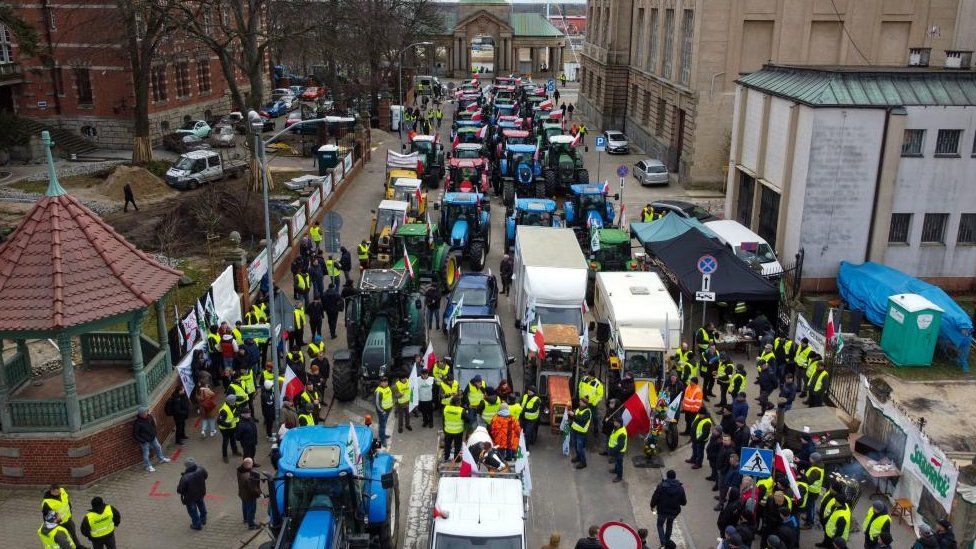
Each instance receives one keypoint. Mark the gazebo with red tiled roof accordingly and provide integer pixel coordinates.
(65, 273)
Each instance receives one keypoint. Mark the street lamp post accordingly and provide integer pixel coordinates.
(254, 119)
(400, 83)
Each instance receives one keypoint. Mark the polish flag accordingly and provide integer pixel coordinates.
(476, 117)
(472, 107)
(540, 341)
(623, 215)
(474, 80)
(546, 105)
(830, 334)
(429, 357)
(406, 260)
(457, 139)
(469, 467)
(779, 462)
(637, 412)
(606, 187)
(293, 386)
(483, 132)
(419, 196)
(577, 140)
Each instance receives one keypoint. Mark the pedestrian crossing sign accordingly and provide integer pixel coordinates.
(756, 462)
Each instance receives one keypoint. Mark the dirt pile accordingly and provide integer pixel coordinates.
(145, 185)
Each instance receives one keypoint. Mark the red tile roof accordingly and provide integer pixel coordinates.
(64, 266)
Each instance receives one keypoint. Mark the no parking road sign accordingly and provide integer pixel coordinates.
(707, 264)
(756, 462)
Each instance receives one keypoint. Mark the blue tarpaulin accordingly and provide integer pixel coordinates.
(671, 226)
(867, 287)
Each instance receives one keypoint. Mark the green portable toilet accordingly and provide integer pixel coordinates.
(911, 330)
(328, 158)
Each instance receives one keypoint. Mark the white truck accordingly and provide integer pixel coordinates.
(198, 167)
(471, 512)
(550, 280)
(643, 321)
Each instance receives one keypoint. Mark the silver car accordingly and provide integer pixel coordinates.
(651, 172)
(223, 135)
(617, 142)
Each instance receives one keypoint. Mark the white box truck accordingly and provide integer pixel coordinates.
(643, 320)
(549, 281)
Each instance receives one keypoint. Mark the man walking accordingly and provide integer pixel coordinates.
(668, 499)
(144, 431)
(100, 523)
(315, 312)
(129, 198)
(247, 434)
(432, 301)
(249, 490)
(332, 303)
(345, 263)
(227, 425)
(507, 269)
(192, 488)
(383, 401)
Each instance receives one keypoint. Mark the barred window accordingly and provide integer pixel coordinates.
(912, 144)
(934, 228)
(157, 81)
(898, 232)
(183, 79)
(947, 144)
(687, 28)
(967, 229)
(83, 85)
(668, 46)
(6, 45)
(203, 75)
(652, 47)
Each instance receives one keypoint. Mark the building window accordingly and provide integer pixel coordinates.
(83, 86)
(898, 231)
(947, 144)
(164, 126)
(646, 114)
(768, 215)
(599, 88)
(639, 53)
(967, 229)
(633, 98)
(59, 81)
(606, 26)
(182, 79)
(6, 45)
(912, 145)
(747, 186)
(934, 228)
(652, 47)
(687, 28)
(662, 107)
(668, 47)
(203, 75)
(157, 81)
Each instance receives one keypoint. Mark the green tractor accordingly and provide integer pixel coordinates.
(431, 153)
(384, 331)
(609, 250)
(430, 256)
(562, 165)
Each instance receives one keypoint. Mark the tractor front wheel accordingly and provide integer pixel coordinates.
(508, 197)
(550, 186)
(344, 377)
(583, 176)
(478, 256)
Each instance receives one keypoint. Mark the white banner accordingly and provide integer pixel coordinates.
(256, 270)
(326, 186)
(226, 301)
(927, 463)
(805, 330)
(348, 162)
(336, 176)
(191, 329)
(281, 243)
(315, 199)
(298, 220)
(185, 369)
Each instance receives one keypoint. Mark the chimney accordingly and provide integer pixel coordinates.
(919, 57)
(958, 59)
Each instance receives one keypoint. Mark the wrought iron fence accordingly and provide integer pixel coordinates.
(845, 373)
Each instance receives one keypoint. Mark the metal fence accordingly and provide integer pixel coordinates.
(845, 383)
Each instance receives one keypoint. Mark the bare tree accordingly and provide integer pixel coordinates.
(24, 34)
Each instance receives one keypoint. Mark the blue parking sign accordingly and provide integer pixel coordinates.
(601, 143)
(551, 85)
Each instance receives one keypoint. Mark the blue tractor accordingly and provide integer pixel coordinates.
(588, 207)
(465, 220)
(335, 489)
(534, 212)
(519, 170)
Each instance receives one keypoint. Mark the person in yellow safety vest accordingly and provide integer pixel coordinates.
(362, 252)
(515, 408)
(383, 401)
(100, 523)
(303, 284)
(687, 370)
(332, 271)
(617, 448)
(227, 419)
(305, 419)
(818, 386)
(704, 336)
(683, 354)
(403, 395)
(580, 420)
(246, 380)
(838, 523)
(876, 521)
(315, 231)
(448, 388)
(737, 381)
(701, 430)
(475, 392)
(316, 346)
(453, 428)
(827, 506)
(490, 406)
(440, 371)
(647, 214)
(56, 499)
(767, 356)
(801, 357)
(54, 535)
(236, 330)
(814, 476)
(296, 337)
(764, 488)
(531, 407)
(809, 372)
(594, 395)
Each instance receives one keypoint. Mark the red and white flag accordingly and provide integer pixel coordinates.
(292, 386)
(623, 215)
(457, 139)
(577, 140)
(472, 107)
(637, 412)
(779, 463)
(429, 357)
(546, 105)
(476, 117)
(474, 80)
(483, 132)
(540, 341)
(606, 187)
(830, 334)
(406, 260)
(469, 467)
(419, 196)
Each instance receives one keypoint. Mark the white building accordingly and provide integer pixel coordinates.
(858, 164)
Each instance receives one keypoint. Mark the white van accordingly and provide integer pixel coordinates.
(747, 245)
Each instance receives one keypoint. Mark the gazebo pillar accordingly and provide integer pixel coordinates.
(4, 410)
(135, 342)
(162, 334)
(68, 378)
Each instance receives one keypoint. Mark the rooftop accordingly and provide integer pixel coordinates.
(830, 86)
(532, 24)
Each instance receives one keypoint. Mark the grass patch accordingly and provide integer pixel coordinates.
(31, 186)
(279, 178)
(72, 182)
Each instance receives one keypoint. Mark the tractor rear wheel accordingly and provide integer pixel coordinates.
(344, 377)
(435, 178)
(508, 197)
(583, 176)
(389, 531)
(451, 272)
(551, 183)
(478, 255)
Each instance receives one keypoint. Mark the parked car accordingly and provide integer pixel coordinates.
(651, 172)
(224, 135)
(312, 93)
(198, 167)
(183, 141)
(283, 94)
(747, 245)
(479, 292)
(476, 347)
(293, 118)
(616, 142)
(198, 128)
(684, 209)
(296, 91)
(274, 109)
(234, 119)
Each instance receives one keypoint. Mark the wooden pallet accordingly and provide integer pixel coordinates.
(877, 359)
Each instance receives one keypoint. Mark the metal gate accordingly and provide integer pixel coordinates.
(845, 374)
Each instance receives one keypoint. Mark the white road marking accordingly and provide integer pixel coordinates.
(421, 495)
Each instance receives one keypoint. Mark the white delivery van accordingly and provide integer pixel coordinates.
(747, 245)
(486, 511)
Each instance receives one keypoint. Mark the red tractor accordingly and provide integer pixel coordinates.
(467, 175)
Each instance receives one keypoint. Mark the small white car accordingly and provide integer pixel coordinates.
(616, 142)
(651, 172)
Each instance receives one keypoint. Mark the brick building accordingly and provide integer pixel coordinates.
(664, 71)
(86, 87)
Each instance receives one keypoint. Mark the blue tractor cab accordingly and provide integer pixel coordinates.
(519, 172)
(465, 220)
(534, 212)
(588, 206)
(333, 490)
(476, 293)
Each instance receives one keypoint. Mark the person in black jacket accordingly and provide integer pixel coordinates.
(712, 449)
(94, 517)
(268, 408)
(728, 516)
(247, 434)
(315, 312)
(590, 541)
(668, 499)
(345, 262)
(767, 384)
(178, 407)
(192, 488)
(332, 303)
(144, 432)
